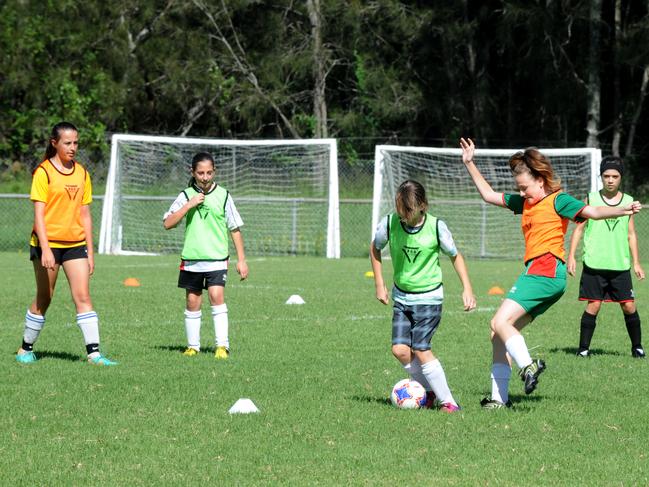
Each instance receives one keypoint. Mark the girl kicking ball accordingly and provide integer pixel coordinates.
(545, 211)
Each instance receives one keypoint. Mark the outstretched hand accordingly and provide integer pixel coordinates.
(468, 150)
(633, 208)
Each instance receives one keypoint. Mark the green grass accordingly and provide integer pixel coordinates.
(320, 374)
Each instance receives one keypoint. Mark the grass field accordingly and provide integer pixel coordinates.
(320, 374)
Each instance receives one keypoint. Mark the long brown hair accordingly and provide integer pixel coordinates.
(531, 161)
(410, 198)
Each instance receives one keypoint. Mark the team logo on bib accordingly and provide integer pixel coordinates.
(611, 223)
(72, 190)
(203, 211)
(411, 253)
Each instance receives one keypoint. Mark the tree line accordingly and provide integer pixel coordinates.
(560, 73)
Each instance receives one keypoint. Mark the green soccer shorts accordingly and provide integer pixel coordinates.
(540, 286)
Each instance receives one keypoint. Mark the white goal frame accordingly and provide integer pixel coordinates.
(379, 204)
(108, 244)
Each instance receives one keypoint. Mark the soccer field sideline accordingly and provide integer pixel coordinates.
(320, 374)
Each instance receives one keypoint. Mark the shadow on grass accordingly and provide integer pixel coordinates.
(383, 401)
(593, 351)
(41, 354)
(182, 348)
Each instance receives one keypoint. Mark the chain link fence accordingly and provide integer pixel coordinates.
(355, 181)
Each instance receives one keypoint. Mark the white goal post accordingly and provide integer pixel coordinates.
(479, 229)
(285, 190)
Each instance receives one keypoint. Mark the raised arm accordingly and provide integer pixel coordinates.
(603, 212)
(484, 188)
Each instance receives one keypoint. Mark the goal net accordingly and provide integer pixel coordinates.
(479, 229)
(285, 190)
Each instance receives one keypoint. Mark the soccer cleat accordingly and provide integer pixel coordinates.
(190, 352)
(488, 403)
(583, 353)
(101, 360)
(26, 358)
(530, 375)
(637, 353)
(222, 353)
(449, 407)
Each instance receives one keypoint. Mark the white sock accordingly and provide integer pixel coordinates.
(434, 373)
(414, 371)
(89, 326)
(220, 317)
(500, 374)
(193, 329)
(517, 350)
(33, 325)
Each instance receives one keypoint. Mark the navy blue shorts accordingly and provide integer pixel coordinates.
(415, 325)
(197, 281)
(60, 254)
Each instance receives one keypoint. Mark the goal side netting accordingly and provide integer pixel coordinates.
(285, 190)
(479, 229)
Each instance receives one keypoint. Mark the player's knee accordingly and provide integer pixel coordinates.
(628, 308)
(83, 301)
(401, 352)
(495, 325)
(593, 307)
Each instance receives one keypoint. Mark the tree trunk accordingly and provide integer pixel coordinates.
(594, 81)
(638, 111)
(644, 87)
(617, 93)
(319, 71)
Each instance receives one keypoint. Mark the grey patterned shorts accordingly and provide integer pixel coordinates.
(415, 325)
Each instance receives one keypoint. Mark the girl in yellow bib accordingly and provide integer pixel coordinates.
(62, 237)
(545, 213)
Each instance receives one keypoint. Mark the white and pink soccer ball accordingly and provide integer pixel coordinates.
(408, 394)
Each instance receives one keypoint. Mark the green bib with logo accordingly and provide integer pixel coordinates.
(206, 232)
(606, 242)
(415, 256)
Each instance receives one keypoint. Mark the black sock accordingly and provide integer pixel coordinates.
(633, 328)
(27, 347)
(92, 348)
(588, 323)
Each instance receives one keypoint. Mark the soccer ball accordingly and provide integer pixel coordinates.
(408, 394)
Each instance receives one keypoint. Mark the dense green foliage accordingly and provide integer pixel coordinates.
(320, 374)
(507, 72)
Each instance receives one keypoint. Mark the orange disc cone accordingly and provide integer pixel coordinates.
(132, 282)
(494, 291)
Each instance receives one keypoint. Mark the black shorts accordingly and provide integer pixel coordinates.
(60, 254)
(197, 281)
(605, 285)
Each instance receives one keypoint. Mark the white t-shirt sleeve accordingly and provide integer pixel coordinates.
(178, 203)
(381, 234)
(232, 217)
(446, 242)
